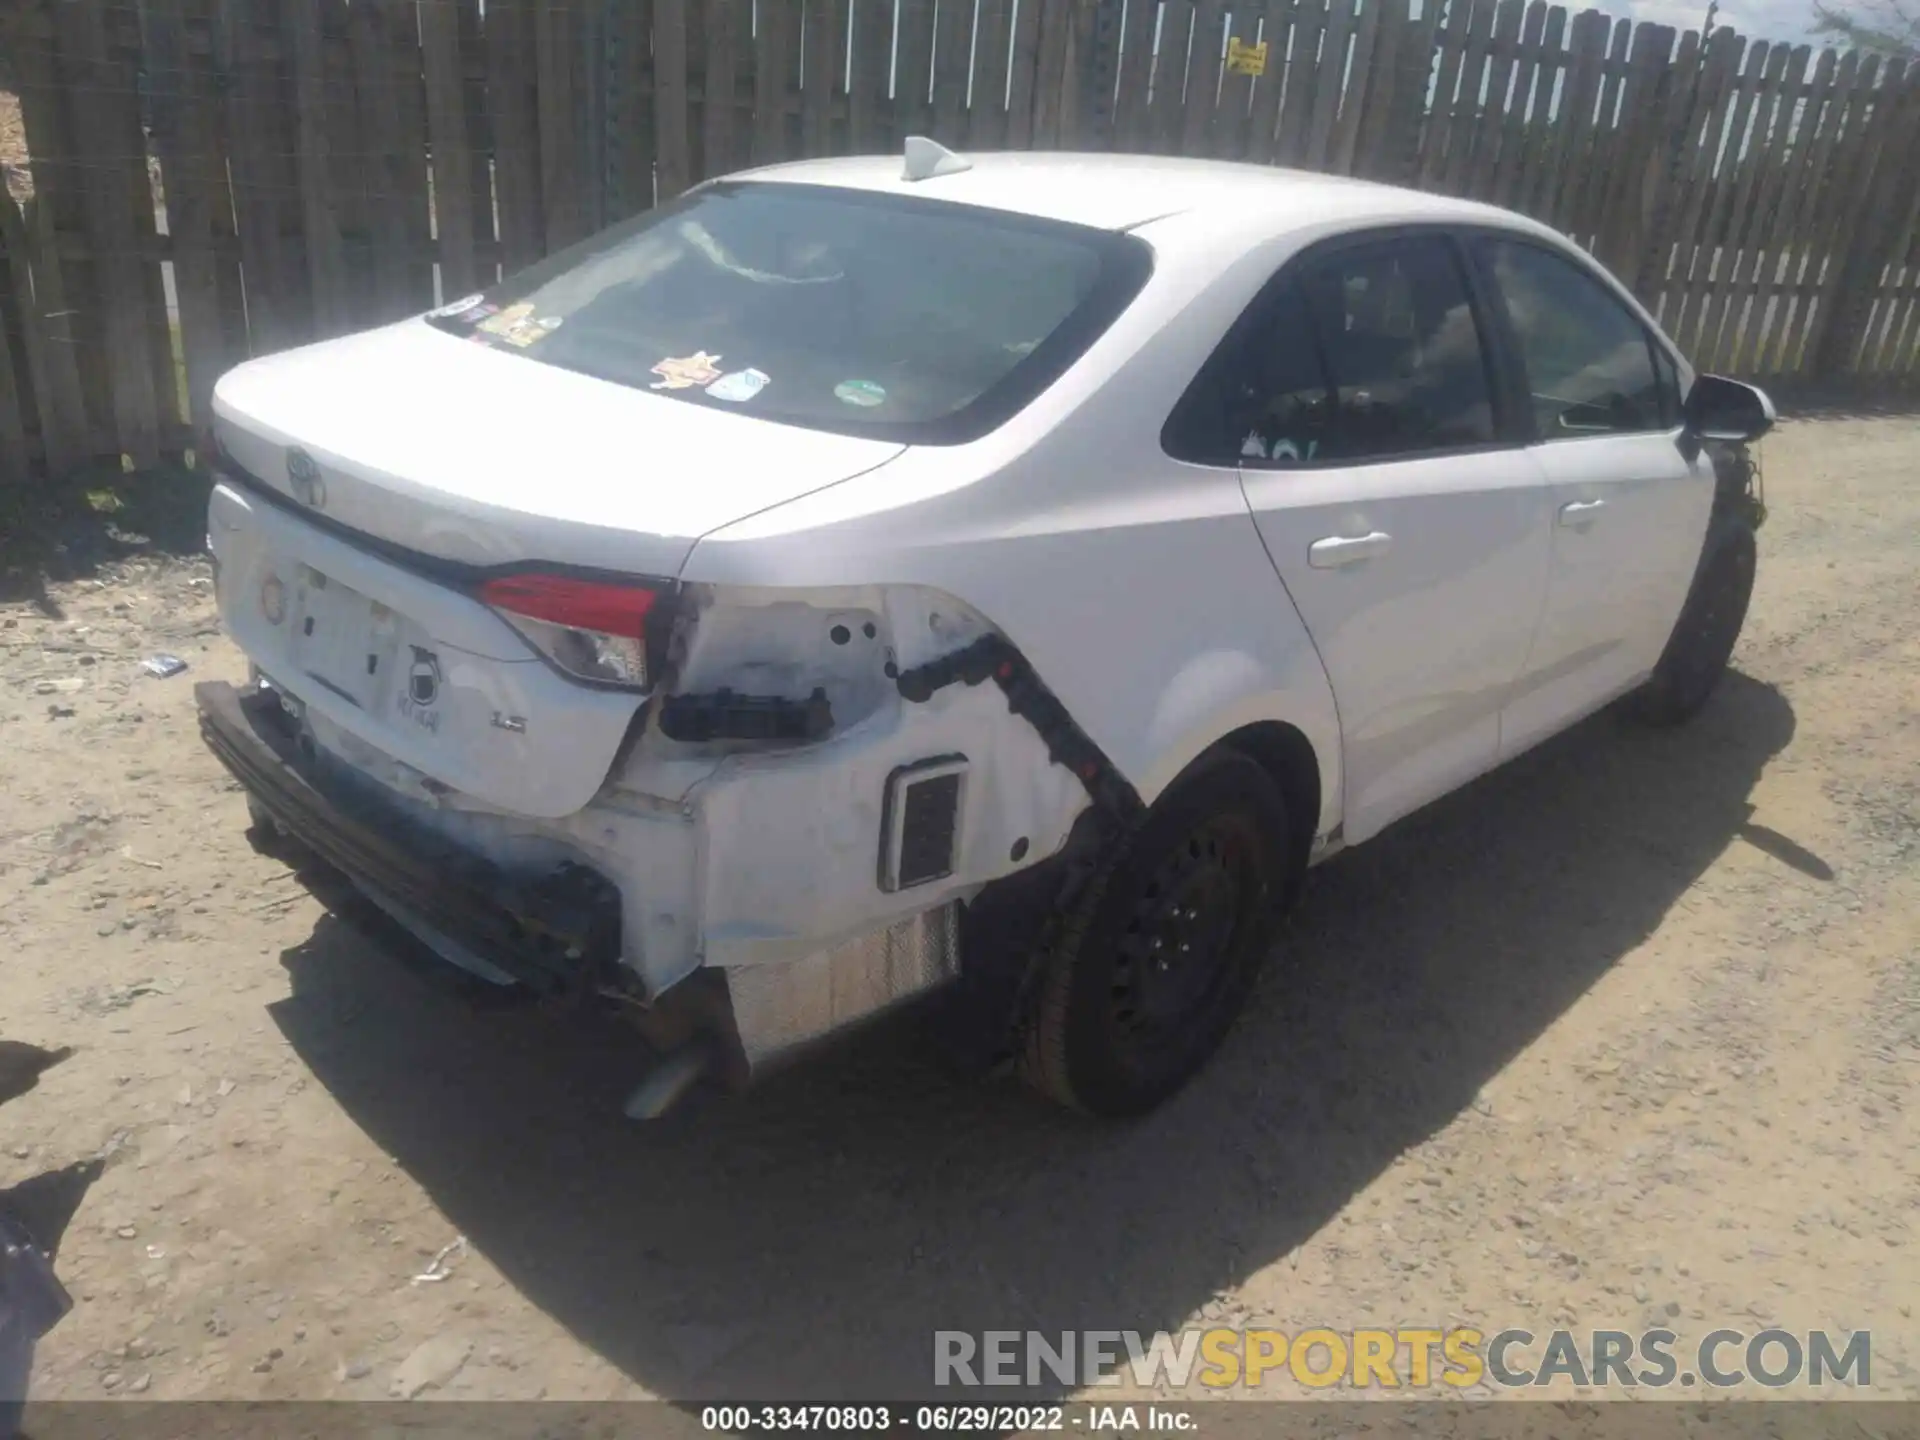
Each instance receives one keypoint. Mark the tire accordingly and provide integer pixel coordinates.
(1706, 632)
(1124, 1019)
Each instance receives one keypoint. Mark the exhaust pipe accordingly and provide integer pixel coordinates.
(668, 1082)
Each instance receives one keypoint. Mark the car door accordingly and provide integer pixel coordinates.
(1629, 503)
(1357, 398)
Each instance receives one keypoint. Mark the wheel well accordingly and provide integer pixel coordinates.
(1287, 755)
(1001, 925)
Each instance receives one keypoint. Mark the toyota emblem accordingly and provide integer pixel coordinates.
(303, 479)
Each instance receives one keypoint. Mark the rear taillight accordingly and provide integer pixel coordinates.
(594, 629)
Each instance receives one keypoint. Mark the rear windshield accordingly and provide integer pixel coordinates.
(906, 319)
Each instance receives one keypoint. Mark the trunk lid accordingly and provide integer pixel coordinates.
(458, 452)
(412, 682)
(467, 453)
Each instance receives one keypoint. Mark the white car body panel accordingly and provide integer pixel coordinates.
(486, 670)
(461, 452)
(1147, 662)
(1423, 642)
(1626, 516)
(1166, 605)
(786, 843)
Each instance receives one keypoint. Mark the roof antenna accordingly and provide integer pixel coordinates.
(928, 158)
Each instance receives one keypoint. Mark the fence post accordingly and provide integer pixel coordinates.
(1098, 64)
(39, 296)
(1616, 243)
(594, 65)
(1888, 161)
(106, 132)
(1656, 254)
(613, 102)
(1414, 76)
(16, 464)
(1050, 66)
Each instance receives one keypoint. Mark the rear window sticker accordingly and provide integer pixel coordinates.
(501, 323)
(525, 332)
(1255, 447)
(739, 385)
(457, 308)
(683, 372)
(863, 393)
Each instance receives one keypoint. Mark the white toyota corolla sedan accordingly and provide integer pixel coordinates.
(990, 579)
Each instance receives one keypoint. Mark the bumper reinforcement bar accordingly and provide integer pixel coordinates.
(557, 935)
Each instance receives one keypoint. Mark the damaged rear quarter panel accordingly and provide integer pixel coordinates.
(788, 836)
(1137, 587)
(789, 845)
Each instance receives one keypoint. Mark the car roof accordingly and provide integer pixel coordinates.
(1123, 192)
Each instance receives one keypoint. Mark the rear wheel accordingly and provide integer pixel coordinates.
(1703, 638)
(1155, 961)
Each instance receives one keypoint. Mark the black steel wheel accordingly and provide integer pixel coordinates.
(1157, 958)
(1704, 636)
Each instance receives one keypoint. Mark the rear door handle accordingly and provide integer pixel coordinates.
(1337, 550)
(1576, 513)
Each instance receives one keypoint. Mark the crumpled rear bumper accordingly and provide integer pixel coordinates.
(556, 935)
(560, 934)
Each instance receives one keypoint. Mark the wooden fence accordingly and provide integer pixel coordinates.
(212, 179)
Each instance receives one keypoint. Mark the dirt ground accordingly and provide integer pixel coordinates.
(1624, 1035)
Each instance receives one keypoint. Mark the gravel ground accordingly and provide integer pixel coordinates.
(1624, 1035)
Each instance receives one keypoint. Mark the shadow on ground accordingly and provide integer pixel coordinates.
(46, 1203)
(806, 1240)
(50, 534)
(1847, 403)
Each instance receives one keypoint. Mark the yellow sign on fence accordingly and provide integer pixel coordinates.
(1245, 59)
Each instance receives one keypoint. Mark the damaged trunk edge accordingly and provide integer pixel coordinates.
(823, 812)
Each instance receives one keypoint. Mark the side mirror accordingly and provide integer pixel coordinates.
(1722, 409)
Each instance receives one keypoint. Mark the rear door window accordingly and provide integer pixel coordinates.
(902, 318)
(1402, 350)
(1371, 352)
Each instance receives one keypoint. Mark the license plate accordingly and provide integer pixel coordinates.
(342, 639)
